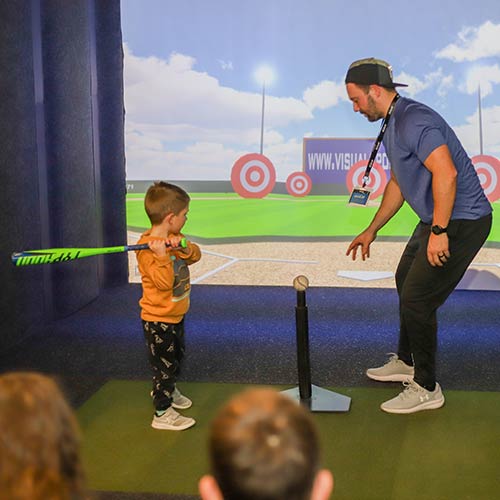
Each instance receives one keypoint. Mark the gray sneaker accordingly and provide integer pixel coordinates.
(414, 398)
(172, 421)
(179, 401)
(394, 370)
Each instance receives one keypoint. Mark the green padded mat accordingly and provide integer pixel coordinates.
(451, 453)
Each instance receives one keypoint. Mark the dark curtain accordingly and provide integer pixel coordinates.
(62, 162)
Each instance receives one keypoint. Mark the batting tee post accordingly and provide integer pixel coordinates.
(311, 396)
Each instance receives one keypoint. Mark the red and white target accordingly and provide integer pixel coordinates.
(253, 176)
(488, 171)
(376, 181)
(298, 184)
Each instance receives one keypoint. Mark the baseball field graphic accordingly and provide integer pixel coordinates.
(255, 123)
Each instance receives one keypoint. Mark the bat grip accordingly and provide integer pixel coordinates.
(145, 246)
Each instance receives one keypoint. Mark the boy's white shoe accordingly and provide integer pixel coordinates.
(179, 401)
(414, 398)
(172, 421)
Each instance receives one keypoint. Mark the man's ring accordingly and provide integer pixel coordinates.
(441, 255)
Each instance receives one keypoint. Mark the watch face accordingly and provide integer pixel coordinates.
(438, 229)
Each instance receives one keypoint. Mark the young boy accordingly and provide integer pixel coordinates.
(165, 298)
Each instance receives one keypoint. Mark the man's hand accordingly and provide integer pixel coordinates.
(438, 251)
(391, 203)
(363, 240)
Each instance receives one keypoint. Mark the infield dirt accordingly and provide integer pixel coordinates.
(278, 263)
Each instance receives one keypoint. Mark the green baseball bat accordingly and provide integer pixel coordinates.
(53, 255)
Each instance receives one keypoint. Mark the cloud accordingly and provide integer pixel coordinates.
(159, 134)
(328, 94)
(436, 79)
(468, 133)
(484, 76)
(147, 158)
(325, 94)
(200, 160)
(415, 85)
(182, 124)
(225, 64)
(473, 44)
(173, 92)
(445, 84)
(286, 157)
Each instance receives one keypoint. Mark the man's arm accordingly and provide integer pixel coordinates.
(444, 187)
(392, 200)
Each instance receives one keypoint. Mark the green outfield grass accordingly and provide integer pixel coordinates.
(226, 215)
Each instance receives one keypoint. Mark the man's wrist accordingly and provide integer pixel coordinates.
(437, 229)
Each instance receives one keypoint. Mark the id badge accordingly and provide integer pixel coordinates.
(359, 196)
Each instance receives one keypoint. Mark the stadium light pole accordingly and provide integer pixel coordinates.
(480, 119)
(263, 75)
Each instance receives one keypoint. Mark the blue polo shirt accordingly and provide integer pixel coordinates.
(414, 132)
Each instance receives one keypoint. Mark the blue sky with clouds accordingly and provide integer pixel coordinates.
(193, 103)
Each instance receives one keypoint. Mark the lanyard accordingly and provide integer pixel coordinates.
(378, 142)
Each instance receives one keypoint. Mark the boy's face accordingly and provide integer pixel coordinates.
(177, 221)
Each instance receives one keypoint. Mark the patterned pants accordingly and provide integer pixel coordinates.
(165, 344)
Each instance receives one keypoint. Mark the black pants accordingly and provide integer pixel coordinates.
(165, 343)
(422, 288)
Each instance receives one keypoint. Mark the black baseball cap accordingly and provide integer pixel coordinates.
(371, 71)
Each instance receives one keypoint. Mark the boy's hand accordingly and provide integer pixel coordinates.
(158, 247)
(175, 243)
(161, 247)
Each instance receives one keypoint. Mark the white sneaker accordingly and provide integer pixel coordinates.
(172, 421)
(414, 398)
(394, 370)
(179, 401)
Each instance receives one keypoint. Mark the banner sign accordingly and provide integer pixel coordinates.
(328, 160)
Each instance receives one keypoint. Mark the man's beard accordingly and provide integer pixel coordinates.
(372, 114)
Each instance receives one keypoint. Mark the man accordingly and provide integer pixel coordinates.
(431, 172)
(263, 445)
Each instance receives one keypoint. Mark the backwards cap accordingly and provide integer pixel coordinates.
(371, 71)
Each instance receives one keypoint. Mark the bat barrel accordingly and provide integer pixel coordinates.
(54, 255)
(50, 256)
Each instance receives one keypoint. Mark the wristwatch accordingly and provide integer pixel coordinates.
(438, 229)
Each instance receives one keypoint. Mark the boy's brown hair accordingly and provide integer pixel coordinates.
(163, 198)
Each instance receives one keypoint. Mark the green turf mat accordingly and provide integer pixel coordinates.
(451, 453)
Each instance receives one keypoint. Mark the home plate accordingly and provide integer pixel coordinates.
(366, 275)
